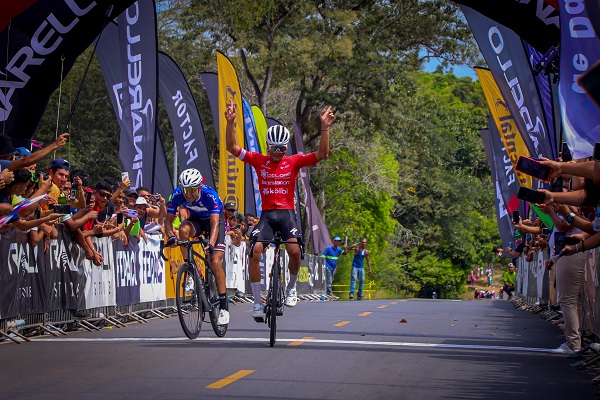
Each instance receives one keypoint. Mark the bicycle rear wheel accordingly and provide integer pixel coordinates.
(273, 300)
(212, 294)
(189, 302)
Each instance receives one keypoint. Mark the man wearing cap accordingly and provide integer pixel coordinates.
(228, 211)
(331, 254)
(510, 277)
(59, 173)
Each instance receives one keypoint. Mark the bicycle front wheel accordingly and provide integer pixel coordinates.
(189, 302)
(212, 294)
(273, 300)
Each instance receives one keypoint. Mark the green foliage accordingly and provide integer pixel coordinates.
(407, 168)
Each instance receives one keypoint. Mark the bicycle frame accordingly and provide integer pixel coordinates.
(275, 296)
(206, 290)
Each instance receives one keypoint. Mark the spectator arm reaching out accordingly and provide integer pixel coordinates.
(37, 156)
(574, 198)
(584, 169)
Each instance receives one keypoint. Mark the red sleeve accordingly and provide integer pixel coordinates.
(306, 160)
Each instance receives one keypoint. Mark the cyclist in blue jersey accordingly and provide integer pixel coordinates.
(204, 207)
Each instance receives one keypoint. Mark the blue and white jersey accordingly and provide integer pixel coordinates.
(207, 204)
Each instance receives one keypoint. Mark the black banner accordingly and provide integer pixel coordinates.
(505, 182)
(211, 85)
(130, 76)
(65, 274)
(534, 21)
(31, 61)
(22, 292)
(508, 62)
(188, 131)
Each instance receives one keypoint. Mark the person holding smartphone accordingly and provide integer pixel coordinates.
(568, 270)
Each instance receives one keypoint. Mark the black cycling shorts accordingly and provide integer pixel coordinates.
(272, 221)
(202, 227)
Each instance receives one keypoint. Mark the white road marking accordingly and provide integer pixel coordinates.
(327, 341)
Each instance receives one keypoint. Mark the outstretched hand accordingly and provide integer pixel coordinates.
(327, 117)
(61, 140)
(230, 112)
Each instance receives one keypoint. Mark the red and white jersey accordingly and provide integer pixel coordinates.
(277, 181)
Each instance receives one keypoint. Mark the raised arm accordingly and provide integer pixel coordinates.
(230, 140)
(327, 118)
(37, 156)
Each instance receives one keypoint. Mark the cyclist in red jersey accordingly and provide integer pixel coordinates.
(277, 182)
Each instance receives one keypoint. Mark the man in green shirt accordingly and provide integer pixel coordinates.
(510, 277)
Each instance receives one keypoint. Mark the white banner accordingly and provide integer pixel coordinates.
(152, 270)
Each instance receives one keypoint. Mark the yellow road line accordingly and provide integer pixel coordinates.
(299, 342)
(230, 379)
(382, 307)
(341, 323)
(394, 302)
(365, 314)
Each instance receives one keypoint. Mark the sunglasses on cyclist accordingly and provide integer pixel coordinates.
(189, 190)
(278, 149)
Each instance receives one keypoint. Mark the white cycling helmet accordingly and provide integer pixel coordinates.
(190, 178)
(278, 135)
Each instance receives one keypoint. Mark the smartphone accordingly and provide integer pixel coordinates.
(515, 217)
(557, 185)
(571, 240)
(533, 167)
(73, 191)
(119, 218)
(532, 196)
(124, 175)
(560, 241)
(590, 82)
(597, 151)
(546, 231)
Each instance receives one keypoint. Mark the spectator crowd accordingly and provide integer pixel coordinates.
(36, 200)
(572, 205)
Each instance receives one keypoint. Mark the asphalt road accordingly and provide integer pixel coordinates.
(325, 350)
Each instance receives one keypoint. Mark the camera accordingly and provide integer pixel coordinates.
(37, 176)
(132, 213)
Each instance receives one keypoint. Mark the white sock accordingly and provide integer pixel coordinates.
(292, 283)
(256, 292)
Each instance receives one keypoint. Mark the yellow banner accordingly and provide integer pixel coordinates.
(261, 128)
(172, 266)
(231, 169)
(509, 133)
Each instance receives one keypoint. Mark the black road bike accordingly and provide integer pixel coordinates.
(195, 293)
(275, 295)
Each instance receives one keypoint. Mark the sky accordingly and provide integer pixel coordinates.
(458, 70)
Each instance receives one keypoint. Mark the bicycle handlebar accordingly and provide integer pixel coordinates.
(186, 243)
